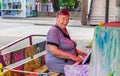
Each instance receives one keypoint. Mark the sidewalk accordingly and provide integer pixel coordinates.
(26, 26)
(39, 21)
(12, 29)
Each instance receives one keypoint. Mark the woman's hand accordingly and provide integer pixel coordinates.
(76, 58)
(83, 54)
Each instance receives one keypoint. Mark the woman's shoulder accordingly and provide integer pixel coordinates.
(53, 29)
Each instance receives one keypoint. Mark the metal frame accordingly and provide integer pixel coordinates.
(19, 40)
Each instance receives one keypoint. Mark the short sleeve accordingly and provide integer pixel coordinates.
(53, 37)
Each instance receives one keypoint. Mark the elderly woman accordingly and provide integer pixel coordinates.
(61, 49)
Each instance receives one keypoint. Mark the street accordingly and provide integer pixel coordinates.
(15, 29)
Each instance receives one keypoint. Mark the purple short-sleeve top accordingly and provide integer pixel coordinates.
(56, 36)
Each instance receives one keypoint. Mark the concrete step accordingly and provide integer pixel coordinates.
(98, 11)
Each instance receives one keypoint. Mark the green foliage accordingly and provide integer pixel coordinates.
(43, 1)
(69, 4)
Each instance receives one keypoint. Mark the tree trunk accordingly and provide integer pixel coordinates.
(76, 4)
(56, 5)
(118, 10)
(84, 12)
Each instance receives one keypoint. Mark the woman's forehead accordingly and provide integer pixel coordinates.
(64, 16)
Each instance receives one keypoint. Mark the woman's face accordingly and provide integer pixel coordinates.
(63, 20)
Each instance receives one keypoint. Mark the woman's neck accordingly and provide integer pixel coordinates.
(63, 29)
(60, 26)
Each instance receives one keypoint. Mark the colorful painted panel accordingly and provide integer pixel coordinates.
(6, 59)
(105, 59)
(42, 45)
(18, 55)
(37, 48)
(31, 65)
(31, 75)
(29, 51)
(8, 73)
(21, 54)
(16, 73)
(42, 60)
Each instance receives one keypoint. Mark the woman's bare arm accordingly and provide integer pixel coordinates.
(63, 55)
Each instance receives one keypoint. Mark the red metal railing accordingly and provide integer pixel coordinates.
(19, 40)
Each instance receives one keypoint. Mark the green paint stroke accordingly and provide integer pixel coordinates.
(111, 74)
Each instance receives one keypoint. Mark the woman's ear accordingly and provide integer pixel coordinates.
(57, 17)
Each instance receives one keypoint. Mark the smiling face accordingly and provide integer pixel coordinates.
(63, 20)
(63, 17)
